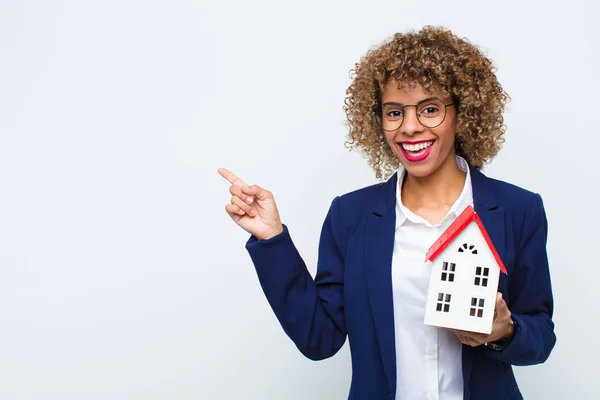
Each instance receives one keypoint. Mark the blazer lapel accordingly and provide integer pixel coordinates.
(492, 216)
(379, 246)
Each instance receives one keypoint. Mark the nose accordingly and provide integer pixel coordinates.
(411, 124)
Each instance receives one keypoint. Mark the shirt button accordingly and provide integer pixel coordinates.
(432, 352)
(431, 396)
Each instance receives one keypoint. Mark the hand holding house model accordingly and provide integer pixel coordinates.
(464, 277)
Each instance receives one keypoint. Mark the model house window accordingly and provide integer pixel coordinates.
(443, 303)
(448, 270)
(467, 247)
(481, 276)
(476, 307)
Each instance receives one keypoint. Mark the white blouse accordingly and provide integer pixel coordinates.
(428, 359)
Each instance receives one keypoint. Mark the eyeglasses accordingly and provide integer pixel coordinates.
(431, 112)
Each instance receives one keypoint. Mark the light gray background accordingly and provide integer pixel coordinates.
(121, 276)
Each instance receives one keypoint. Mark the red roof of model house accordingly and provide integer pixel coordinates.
(460, 223)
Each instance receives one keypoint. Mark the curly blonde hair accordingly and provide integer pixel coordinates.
(439, 61)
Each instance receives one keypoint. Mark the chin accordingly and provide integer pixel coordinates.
(419, 171)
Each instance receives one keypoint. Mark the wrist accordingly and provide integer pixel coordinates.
(272, 233)
(501, 343)
(509, 330)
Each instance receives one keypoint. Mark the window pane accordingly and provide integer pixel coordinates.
(440, 296)
(439, 307)
(481, 301)
(473, 301)
(486, 271)
(478, 271)
(446, 307)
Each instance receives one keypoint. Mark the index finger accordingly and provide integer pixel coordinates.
(231, 177)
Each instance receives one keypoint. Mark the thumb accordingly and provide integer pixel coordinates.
(256, 191)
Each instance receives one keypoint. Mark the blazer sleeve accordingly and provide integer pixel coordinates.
(311, 312)
(530, 295)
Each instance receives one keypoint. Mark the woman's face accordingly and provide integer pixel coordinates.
(421, 150)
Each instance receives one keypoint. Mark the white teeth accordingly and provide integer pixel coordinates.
(417, 146)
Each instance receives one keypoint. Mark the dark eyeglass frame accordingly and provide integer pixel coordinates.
(402, 107)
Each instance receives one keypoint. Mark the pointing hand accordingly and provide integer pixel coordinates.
(252, 208)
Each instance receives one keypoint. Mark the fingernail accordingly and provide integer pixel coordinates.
(249, 200)
(241, 212)
(252, 213)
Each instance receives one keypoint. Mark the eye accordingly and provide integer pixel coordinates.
(429, 111)
(394, 114)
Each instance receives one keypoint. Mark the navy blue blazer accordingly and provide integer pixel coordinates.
(351, 294)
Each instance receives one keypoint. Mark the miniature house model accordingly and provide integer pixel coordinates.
(464, 277)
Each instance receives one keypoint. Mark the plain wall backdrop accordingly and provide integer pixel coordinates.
(122, 277)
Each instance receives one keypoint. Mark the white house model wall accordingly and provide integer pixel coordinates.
(463, 284)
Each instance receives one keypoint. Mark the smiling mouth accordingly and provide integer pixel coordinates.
(416, 149)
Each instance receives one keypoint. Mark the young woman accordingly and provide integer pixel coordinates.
(428, 106)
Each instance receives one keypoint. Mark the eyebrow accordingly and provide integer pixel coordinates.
(420, 101)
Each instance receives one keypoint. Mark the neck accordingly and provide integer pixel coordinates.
(440, 189)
